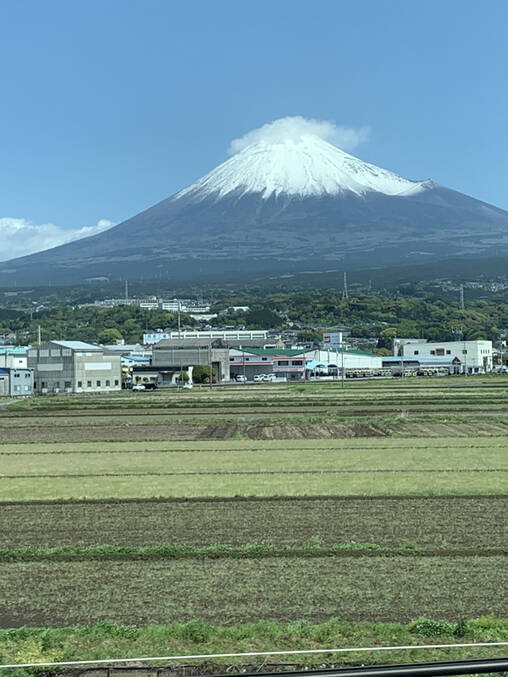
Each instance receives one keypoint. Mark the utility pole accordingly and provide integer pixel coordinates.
(210, 363)
(179, 320)
(461, 297)
(126, 290)
(39, 335)
(344, 290)
(343, 373)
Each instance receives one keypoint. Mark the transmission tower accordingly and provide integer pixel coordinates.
(461, 301)
(344, 290)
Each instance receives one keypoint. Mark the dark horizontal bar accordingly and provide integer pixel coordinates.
(435, 669)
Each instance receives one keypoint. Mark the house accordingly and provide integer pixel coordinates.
(13, 356)
(16, 382)
(73, 367)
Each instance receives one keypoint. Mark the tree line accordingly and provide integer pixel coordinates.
(308, 312)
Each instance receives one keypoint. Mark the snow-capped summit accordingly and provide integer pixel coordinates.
(304, 167)
(287, 200)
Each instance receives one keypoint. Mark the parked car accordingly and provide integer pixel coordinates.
(260, 377)
(138, 386)
(241, 378)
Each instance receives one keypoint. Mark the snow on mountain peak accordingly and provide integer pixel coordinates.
(298, 164)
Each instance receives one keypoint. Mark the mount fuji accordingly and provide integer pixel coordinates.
(289, 204)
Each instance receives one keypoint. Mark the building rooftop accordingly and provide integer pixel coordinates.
(13, 350)
(282, 352)
(76, 345)
(168, 344)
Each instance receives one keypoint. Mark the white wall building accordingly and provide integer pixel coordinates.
(13, 357)
(230, 335)
(475, 356)
(353, 359)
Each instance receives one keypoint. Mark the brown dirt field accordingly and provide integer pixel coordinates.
(311, 431)
(477, 428)
(281, 431)
(124, 433)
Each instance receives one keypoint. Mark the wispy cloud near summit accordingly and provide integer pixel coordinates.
(297, 127)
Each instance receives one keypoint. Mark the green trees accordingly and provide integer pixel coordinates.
(201, 373)
(109, 336)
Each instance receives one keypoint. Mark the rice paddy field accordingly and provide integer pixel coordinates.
(255, 517)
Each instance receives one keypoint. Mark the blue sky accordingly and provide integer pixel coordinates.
(110, 106)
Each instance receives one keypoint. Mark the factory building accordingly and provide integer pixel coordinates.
(473, 356)
(233, 337)
(172, 357)
(73, 367)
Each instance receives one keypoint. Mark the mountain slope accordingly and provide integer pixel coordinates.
(280, 206)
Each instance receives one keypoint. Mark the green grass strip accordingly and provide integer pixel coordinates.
(249, 551)
(113, 640)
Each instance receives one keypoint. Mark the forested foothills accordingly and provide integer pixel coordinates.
(373, 316)
(88, 323)
(367, 316)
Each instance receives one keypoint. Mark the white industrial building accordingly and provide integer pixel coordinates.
(237, 335)
(474, 356)
(353, 359)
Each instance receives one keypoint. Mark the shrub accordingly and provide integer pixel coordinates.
(430, 628)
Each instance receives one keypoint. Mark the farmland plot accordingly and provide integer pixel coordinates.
(380, 502)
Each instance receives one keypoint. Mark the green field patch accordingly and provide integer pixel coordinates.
(245, 590)
(257, 471)
(351, 484)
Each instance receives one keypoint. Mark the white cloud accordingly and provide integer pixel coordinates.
(19, 237)
(297, 127)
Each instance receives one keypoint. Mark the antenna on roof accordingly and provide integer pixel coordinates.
(344, 290)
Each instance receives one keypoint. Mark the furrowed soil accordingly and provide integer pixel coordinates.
(282, 431)
(461, 522)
